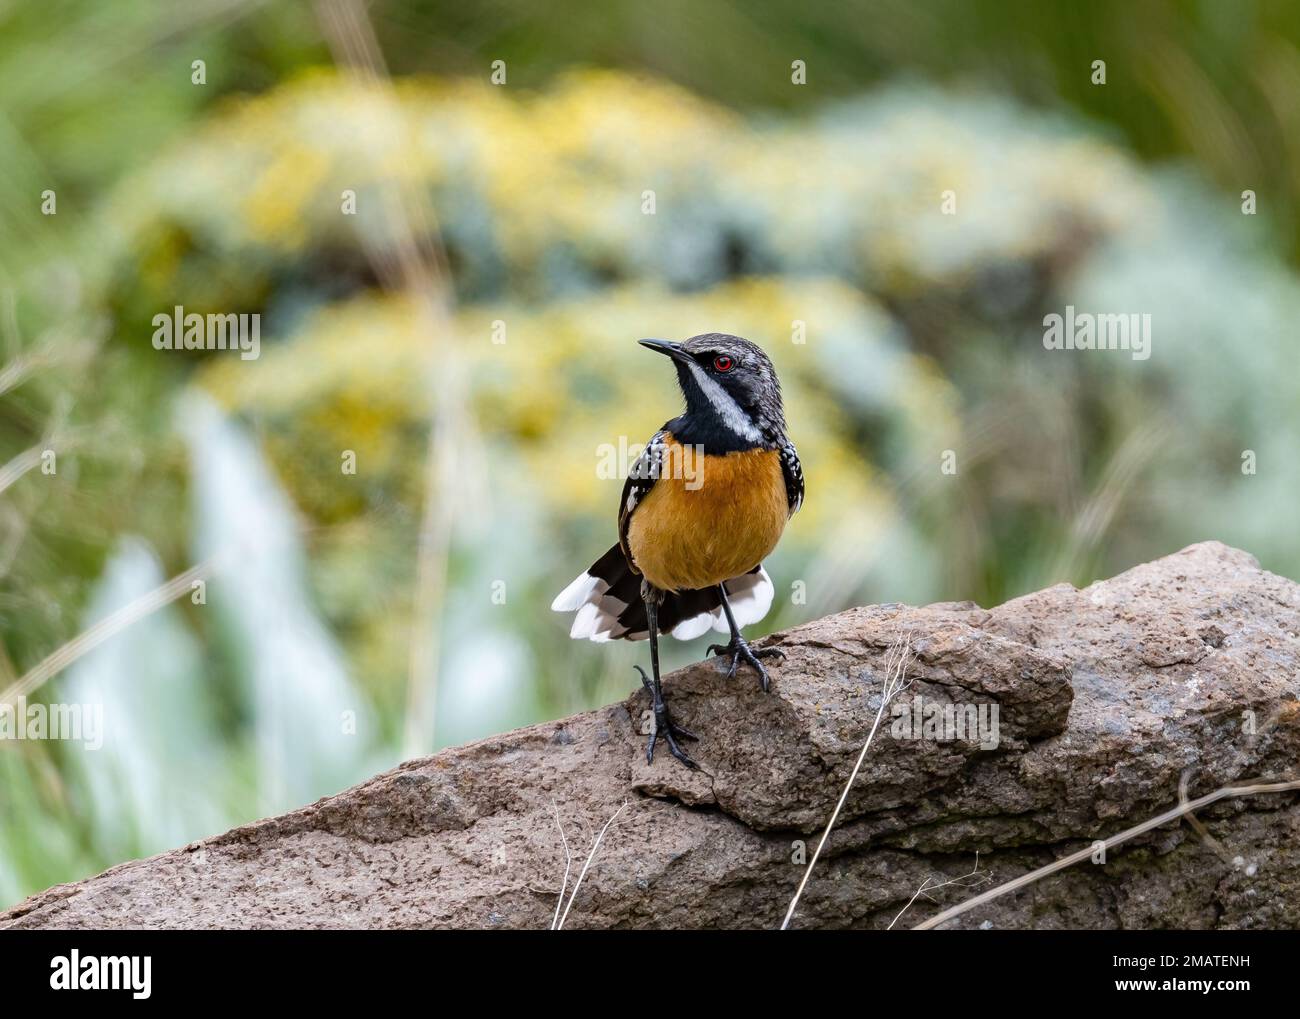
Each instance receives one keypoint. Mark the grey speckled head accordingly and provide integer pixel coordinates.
(733, 397)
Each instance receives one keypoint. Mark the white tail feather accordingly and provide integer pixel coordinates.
(577, 594)
(751, 599)
(597, 612)
(689, 629)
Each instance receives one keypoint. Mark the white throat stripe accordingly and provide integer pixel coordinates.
(728, 409)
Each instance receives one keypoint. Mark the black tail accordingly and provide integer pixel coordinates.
(608, 601)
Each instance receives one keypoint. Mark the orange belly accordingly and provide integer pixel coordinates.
(693, 532)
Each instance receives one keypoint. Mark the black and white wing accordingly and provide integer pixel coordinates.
(793, 472)
(640, 479)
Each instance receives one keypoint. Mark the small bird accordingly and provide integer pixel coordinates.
(703, 506)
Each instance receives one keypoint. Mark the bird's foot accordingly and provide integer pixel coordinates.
(740, 651)
(664, 727)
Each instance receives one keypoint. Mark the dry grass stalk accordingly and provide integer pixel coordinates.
(971, 877)
(896, 659)
(1182, 810)
(590, 856)
(107, 627)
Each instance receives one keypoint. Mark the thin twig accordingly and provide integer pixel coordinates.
(590, 856)
(21, 464)
(54, 349)
(568, 860)
(926, 888)
(17, 371)
(33, 455)
(1215, 845)
(1181, 810)
(895, 673)
(107, 627)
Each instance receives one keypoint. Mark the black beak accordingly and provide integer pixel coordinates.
(673, 350)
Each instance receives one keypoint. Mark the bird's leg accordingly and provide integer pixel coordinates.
(739, 648)
(664, 727)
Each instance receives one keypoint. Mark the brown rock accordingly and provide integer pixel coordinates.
(1105, 697)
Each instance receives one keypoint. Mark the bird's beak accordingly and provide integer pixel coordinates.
(673, 350)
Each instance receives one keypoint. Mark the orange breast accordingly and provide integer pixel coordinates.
(716, 519)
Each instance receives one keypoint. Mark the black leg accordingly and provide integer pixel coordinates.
(664, 727)
(739, 648)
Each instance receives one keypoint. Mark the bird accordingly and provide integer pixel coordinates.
(704, 504)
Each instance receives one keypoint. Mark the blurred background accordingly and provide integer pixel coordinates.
(464, 336)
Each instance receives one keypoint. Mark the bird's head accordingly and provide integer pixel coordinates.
(730, 386)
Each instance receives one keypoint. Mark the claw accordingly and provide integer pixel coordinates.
(664, 727)
(739, 650)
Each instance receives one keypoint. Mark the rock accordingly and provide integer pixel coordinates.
(1104, 698)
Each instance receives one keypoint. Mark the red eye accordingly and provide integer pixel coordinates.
(723, 363)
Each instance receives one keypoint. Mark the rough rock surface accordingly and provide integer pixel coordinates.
(1105, 696)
